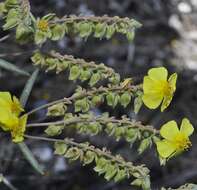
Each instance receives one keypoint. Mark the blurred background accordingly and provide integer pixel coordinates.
(168, 37)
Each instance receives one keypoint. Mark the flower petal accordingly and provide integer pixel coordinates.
(150, 86)
(7, 120)
(186, 127)
(18, 132)
(169, 130)
(16, 106)
(159, 73)
(165, 148)
(166, 102)
(6, 96)
(172, 81)
(153, 100)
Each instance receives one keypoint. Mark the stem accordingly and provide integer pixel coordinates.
(132, 124)
(82, 62)
(85, 94)
(105, 18)
(48, 105)
(93, 149)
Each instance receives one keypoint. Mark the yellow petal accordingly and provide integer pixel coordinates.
(169, 130)
(152, 101)
(19, 130)
(150, 86)
(6, 96)
(7, 119)
(159, 73)
(166, 102)
(16, 106)
(165, 148)
(186, 127)
(172, 81)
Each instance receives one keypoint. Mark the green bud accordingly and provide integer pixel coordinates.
(100, 30)
(94, 79)
(144, 145)
(85, 75)
(74, 72)
(54, 130)
(58, 32)
(110, 31)
(60, 148)
(125, 99)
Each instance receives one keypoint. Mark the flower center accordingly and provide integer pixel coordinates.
(14, 108)
(43, 25)
(182, 142)
(167, 89)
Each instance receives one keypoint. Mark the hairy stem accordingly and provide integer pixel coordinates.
(86, 147)
(85, 94)
(132, 124)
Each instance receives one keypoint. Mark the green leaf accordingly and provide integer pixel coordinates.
(23, 33)
(110, 31)
(38, 59)
(56, 110)
(100, 30)
(146, 183)
(115, 79)
(30, 157)
(121, 174)
(125, 99)
(82, 105)
(111, 170)
(137, 182)
(101, 164)
(40, 37)
(138, 102)
(130, 35)
(94, 128)
(48, 16)
(94, 79)
(74, 73)
(73, 153)
(110, 128)
(89, 157)
(119, 132)
(54, 130)
(11, 67)
(28, 87)
(144, 145)
(60, 148)
(112, 99)
(23, 147)
(85, 29)
(58, 32)
(63, 65)
(97, 100)
(131, 135)
(12, 19)
(85, 75)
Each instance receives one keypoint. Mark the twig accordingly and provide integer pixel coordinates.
(84, 94)
(93, 149)
(4, 38)
(7, 182)
(97, 119)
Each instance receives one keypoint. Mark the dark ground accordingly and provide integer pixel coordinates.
(168, 37)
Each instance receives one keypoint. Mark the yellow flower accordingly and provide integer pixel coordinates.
(158, 89)
(18, 131)
(10, 119)
(43, 25)
(175, 141)
(6, 102)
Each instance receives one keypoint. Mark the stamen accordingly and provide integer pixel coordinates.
(43, 25)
